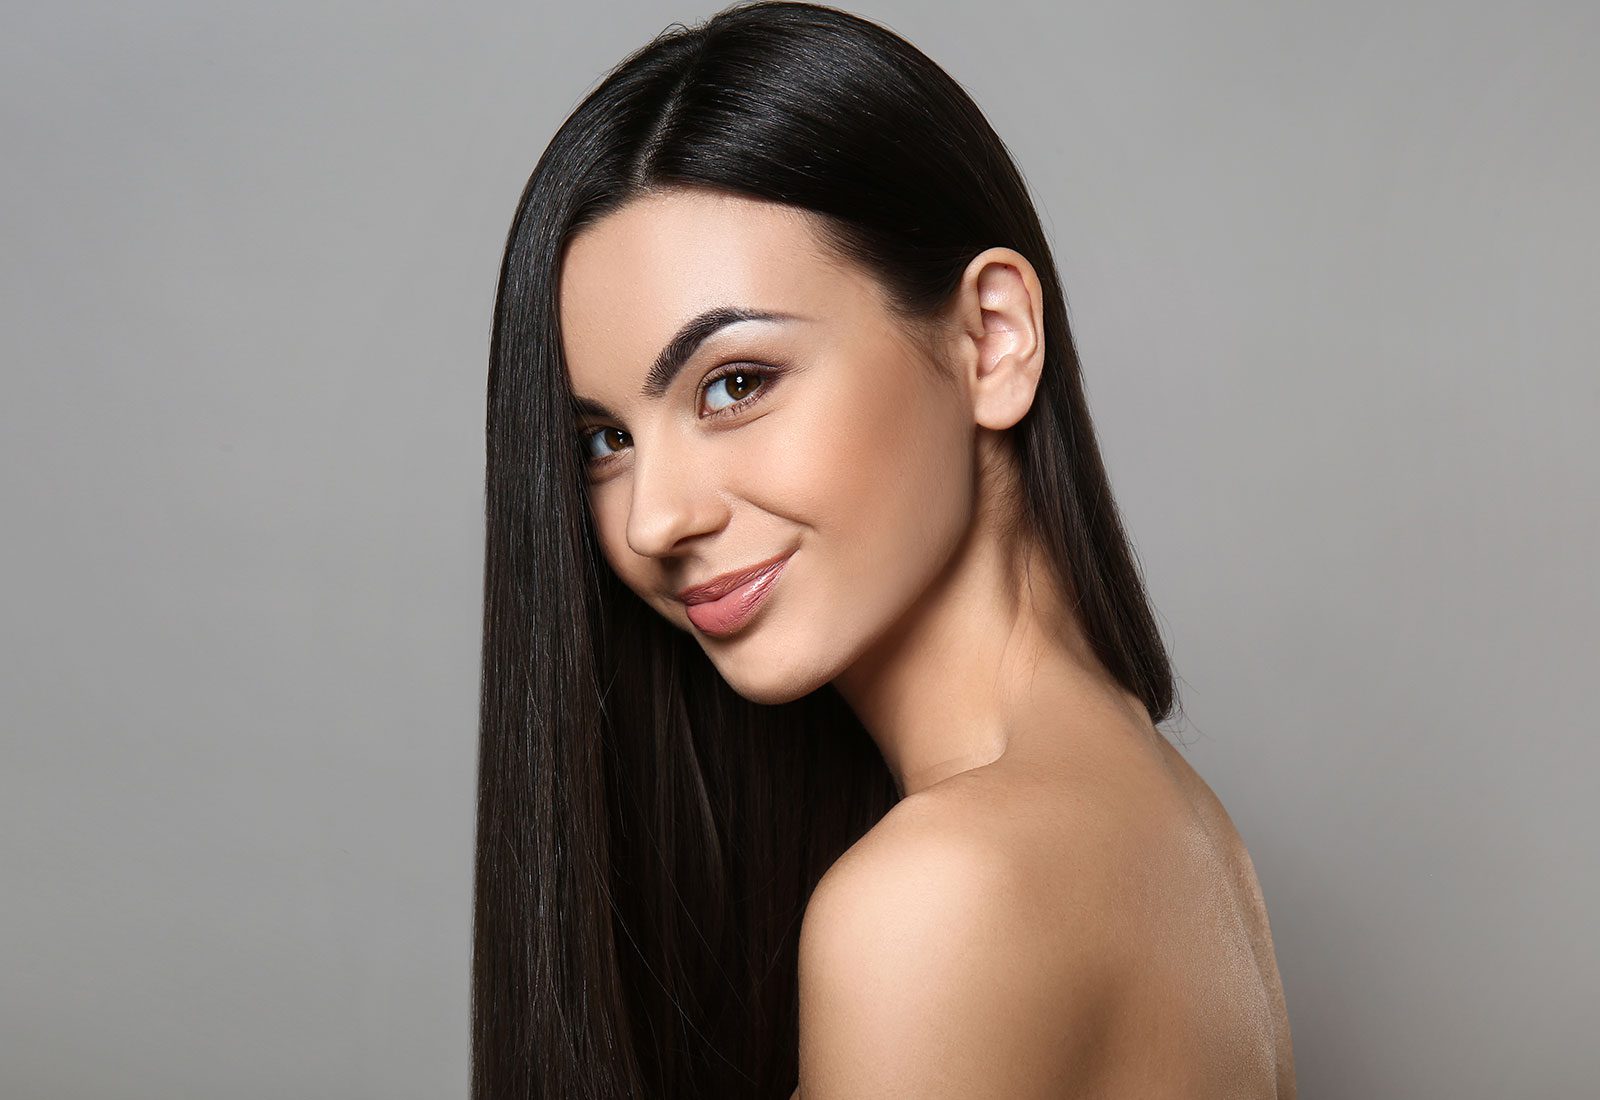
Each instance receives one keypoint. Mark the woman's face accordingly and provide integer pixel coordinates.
(822, 435)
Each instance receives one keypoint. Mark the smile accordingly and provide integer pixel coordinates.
(731, 611)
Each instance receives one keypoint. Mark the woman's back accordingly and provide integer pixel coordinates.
(1247, 901)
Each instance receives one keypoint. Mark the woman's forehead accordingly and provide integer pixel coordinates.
(630, 280)
(684, 244)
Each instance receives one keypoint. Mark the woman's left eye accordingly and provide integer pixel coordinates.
(738, 384)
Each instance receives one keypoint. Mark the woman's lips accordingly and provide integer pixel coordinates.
(728, 613)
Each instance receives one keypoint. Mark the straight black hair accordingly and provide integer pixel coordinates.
(647, 839)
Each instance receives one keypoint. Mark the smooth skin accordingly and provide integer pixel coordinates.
(1059, 906)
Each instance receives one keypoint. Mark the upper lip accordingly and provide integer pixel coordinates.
(723, 583)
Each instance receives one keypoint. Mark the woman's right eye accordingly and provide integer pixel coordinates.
(599, 455)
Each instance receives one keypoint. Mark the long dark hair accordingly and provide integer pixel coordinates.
(647, 839)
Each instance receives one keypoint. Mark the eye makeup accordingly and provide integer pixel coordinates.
(767, 374)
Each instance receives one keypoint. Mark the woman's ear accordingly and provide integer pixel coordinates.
(999, 319)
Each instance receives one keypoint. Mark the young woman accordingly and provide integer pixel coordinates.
(820, 688)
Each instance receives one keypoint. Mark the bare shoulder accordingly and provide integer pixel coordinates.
(1027, 932)
(932, 966)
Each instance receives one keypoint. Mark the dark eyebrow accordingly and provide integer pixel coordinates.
(680, 348)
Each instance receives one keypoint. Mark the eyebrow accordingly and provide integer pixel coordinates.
(684, 343)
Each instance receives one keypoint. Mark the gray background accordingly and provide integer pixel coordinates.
(1334, 274)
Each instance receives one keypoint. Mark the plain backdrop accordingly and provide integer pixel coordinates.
(1334, 273)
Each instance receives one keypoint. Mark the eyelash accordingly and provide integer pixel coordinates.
(767, 375)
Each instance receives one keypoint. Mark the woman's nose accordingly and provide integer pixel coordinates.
(674, 498)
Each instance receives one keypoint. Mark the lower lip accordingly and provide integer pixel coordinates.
(726, 614)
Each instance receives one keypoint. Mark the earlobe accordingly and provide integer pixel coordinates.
(1006, 312)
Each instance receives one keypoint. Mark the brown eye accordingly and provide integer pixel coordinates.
(605, 435)
(744, 386)
(737, 384)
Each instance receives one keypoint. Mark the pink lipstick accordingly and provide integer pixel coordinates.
(735, 607)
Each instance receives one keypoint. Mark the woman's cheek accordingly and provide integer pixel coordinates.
(802, 456)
